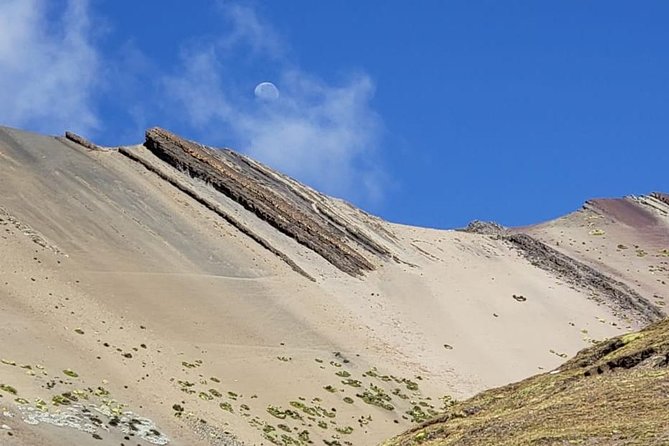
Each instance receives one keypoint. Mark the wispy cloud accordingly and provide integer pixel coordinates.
(248, 31)
(48, 66)
(324, 133)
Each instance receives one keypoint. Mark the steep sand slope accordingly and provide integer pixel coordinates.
(129, 282)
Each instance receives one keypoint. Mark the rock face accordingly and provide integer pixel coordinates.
(213, 206)
(661, 196)
(71, 136)
(275, 199)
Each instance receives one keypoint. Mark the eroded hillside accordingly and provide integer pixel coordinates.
(172, 293)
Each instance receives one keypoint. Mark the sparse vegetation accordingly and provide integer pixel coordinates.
(71, 373)
(376, 396)
(611, 393)
(352, 382)
(7, 388)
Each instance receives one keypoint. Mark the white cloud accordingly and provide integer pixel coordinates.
(325, 134)
(48, 66)
(248, 31)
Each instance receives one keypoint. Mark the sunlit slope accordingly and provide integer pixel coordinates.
(226, 302)
(626, 238)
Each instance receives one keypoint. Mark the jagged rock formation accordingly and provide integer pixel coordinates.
(277, 202)
(611, 394)
(213, 206)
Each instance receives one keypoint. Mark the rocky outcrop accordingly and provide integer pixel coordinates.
(484, 227)
(661, 196)
(279, 201)
(215, 207)
(607, 289)
(77, 139)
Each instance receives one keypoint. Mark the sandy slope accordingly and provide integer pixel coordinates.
(109, 271)
(627, 238)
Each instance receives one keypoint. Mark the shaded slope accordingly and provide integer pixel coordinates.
(614, 393)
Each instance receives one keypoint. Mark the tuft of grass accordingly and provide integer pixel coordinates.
(283, 414)
(71, 373)
(7, 388)
(345, 430)
(205, 396)
(215, 393)
(352, 382)
(376, 396)
(226, 406)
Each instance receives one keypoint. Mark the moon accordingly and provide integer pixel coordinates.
(266, 91)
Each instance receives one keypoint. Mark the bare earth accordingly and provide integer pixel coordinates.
(153, 320)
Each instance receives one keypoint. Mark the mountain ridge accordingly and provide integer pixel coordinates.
(179, 248)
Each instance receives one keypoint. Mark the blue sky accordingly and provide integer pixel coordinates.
(430, 113)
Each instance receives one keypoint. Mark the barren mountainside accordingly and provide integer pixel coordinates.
(173, 293)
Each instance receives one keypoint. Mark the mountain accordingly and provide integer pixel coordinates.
(171, 293)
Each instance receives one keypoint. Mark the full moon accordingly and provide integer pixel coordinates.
(266, 91)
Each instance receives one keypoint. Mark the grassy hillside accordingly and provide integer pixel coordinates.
(614, 393)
